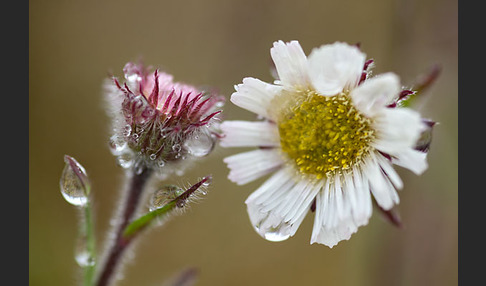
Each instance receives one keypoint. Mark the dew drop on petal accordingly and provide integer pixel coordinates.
(272, 234)
(276, 236)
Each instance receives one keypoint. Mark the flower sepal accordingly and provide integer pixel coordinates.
(177, 200)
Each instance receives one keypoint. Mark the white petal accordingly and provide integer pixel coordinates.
(397, 129)
(387, 168)
(335, 67)
(330, 228)
(291, 64)
(255, 95)
(376, 93)
(309, 195)
(359, 202)
(249, 166)
(385, 194)
(415, 161)
(249, 134)
(267, 212)
(270, 187)
(364, 206)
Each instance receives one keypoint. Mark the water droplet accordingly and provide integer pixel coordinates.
(161, 163)
(176, 148)
(219, 104)
(127, 130)
(125, 160)
(74, 183)
(208, 181)
(200, 145)
(153, 156)
(164, 195)
(276, 236)
(133, 77)
(139, 166)
(272, 234)
(81, 253)
(117, 144)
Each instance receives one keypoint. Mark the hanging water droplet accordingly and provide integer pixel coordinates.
(276, 236)
(117, 144)
(153, 156)
(208, 181)
(272, 234)
(164, 195)
(200, 145)
(74, 182)
(181, 203)
(176, 147)
(81, 254)
(125, 160)
(139, 166)
(161, 163)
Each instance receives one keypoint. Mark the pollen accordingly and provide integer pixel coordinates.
(324, 135)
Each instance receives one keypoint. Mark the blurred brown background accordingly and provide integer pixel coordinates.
(75, 44)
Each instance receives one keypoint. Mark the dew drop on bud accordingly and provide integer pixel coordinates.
(133, 77)
(117, 144)
(74, 182)
(200, 145)
(176, 148)
(164, 195)
(125, 160)
(127, 130)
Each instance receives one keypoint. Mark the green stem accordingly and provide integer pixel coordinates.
(90, 245)
(140, 223)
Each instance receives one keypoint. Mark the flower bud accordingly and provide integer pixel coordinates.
(74, 182)
(159, 121)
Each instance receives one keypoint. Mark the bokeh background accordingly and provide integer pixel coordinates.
(74, 45)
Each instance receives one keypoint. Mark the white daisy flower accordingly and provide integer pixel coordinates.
(329, 135)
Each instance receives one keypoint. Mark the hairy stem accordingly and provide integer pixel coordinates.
(90, 244)
(136, 186)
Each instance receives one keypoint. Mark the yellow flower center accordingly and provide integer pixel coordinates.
(323, 135)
